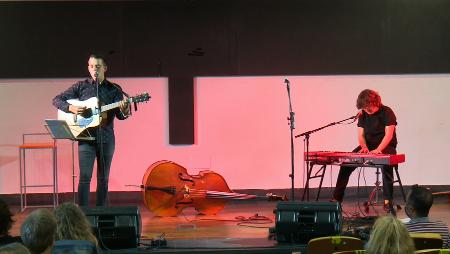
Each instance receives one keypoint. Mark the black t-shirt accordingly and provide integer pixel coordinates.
(7, 239)
(374, 126)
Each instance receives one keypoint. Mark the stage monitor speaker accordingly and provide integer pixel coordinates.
(115, 227)
(302, 221)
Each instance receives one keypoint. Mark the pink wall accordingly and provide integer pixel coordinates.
(241, 128)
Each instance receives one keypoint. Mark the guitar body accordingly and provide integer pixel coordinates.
(79, 123)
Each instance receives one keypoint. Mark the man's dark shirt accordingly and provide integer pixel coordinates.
(86, 89)
(374, 126)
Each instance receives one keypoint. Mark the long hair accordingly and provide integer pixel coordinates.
(367, 98)
(73, 224)
(390, 236)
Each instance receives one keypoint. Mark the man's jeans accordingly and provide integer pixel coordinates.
(87, 153)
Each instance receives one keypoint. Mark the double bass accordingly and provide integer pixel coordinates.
(168, 189)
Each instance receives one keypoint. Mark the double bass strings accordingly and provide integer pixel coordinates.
(219, 194)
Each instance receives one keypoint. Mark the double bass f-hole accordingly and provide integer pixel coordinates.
(182, 203)
(183, 178)
(169, 190)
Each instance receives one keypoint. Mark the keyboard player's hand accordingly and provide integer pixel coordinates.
(363, 150)
(376, 151)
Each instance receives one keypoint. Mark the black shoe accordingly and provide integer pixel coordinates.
(389, 208)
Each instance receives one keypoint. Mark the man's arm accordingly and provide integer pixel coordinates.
(124, 105)
(362, 141)
(389, 133)
(60, 100)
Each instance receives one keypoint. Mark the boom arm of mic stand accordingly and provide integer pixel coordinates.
(323, 127)
(315, 130)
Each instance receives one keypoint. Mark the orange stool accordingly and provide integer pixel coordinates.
(23, 173)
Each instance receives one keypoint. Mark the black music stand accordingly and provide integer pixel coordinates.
(59, 129)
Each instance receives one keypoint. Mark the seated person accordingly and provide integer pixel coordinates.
(418, 204)
(72, 224)
(376, 135)
(389, 236)
(5, 225)
(38, 231)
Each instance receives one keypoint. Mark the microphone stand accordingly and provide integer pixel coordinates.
(100, 139)
(307, 134)
(291, 123)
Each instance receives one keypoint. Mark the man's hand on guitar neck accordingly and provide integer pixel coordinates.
(77, 110)
(125, 108)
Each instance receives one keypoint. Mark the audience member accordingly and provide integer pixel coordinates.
(72, 224)
(38, 231)
(389, 236)
(6, 221)
(14, 248)
(418, 204)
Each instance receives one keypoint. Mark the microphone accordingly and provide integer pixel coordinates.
(358, 115)
(286, 81)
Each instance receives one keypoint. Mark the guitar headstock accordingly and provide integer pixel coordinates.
(141, 98)
(273, 197)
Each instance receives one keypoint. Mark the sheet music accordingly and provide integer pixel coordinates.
(59, 129)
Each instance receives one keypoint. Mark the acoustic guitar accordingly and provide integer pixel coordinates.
(92, 116)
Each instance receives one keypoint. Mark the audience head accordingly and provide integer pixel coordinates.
(38, 231)
(14, 248)
(5, 218)
(390, 236)
(73, 224)
(418, 202)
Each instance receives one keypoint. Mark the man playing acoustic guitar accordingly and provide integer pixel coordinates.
(102, 148)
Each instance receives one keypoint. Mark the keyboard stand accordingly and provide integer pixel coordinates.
(320, 173)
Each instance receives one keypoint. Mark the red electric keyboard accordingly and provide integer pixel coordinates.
(362, 159)
(324, 158)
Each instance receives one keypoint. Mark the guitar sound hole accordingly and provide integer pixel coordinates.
(87, 113)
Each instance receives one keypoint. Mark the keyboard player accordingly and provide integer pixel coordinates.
(376, 135)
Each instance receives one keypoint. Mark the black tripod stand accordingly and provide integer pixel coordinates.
(306, 145)
(373, 197)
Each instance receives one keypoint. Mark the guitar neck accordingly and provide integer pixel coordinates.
(109, 106)
(112, 105)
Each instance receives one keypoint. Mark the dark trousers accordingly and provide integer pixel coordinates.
(346, 171)
(88, 152)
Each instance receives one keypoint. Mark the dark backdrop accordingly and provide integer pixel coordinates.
(181, 39)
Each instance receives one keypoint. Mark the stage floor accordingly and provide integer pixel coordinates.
(242, 226)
